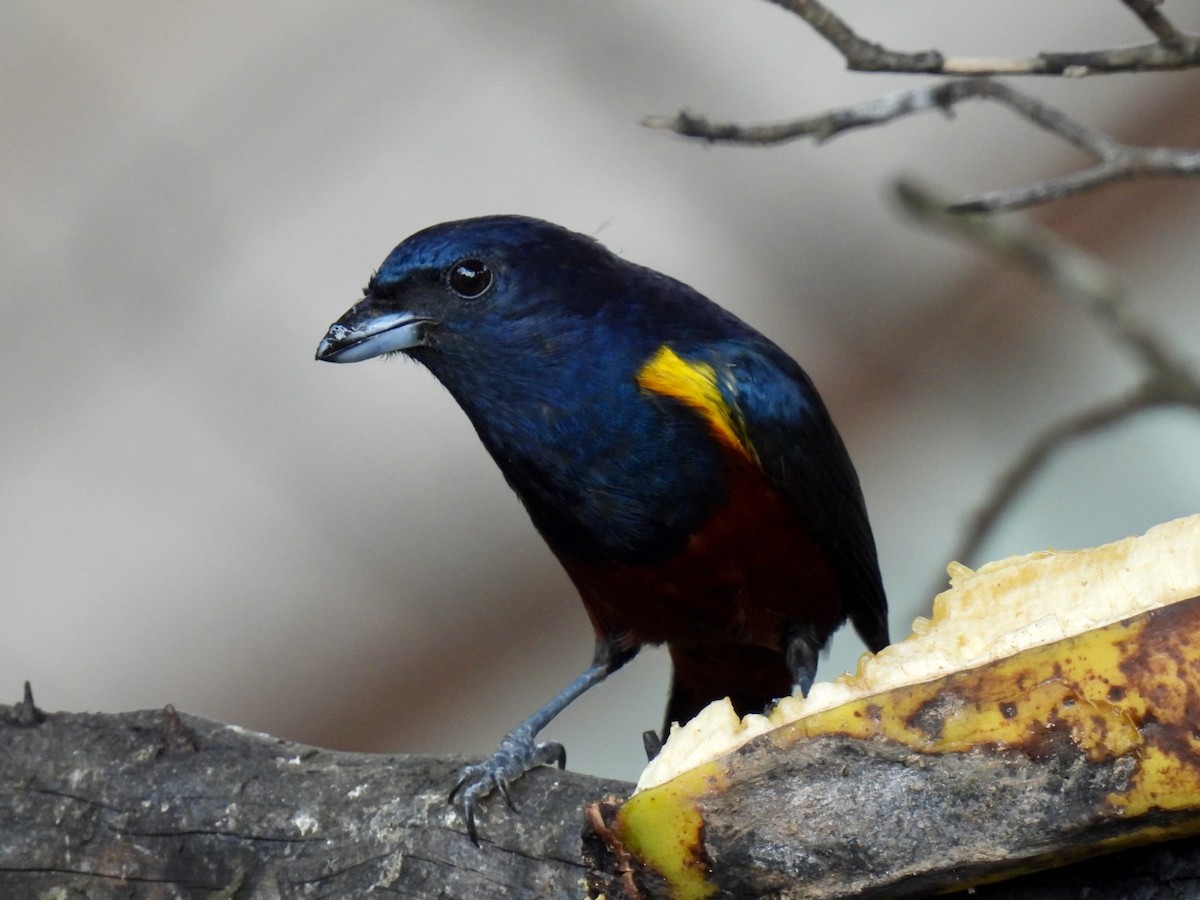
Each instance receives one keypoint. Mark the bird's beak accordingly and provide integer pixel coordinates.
(363, 333)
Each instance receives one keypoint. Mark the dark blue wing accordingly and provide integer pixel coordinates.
(802, 454)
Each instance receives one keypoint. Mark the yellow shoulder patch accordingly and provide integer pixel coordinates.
(695, 383)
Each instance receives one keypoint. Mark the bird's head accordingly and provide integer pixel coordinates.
(470, 289)
(554, 348)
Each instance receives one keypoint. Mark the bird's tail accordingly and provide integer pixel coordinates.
(872, 627)
(751, 677)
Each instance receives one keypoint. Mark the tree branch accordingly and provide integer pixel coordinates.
(1166, 379)
(1034, 458)
(1168, 35)
(1115, 161)
(1172, 50)
(861, 55)
(153, 804)
(157, 804)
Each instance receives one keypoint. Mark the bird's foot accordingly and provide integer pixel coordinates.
(516, 755)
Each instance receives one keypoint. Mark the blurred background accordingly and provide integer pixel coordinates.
(193, 511)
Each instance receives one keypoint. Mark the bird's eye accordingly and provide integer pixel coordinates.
(469, 278)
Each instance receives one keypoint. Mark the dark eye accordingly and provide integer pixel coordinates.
(469, 278)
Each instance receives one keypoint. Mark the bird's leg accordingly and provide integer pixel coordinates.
(801, 650)
(519, 752)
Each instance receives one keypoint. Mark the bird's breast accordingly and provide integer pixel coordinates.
(612, 462)
(746, 572)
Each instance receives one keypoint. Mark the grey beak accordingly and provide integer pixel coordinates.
(355, 336)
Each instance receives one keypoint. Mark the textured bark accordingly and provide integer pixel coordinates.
(158, 805)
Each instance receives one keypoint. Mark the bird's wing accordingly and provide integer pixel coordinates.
(784, 423)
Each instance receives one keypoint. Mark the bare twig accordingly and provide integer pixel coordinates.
(1172, 50)
(1115, 161)
(1168, 35)
(938, 95)
(1076, 275)
(861, 55)
(1166, 380)
(1037, 454)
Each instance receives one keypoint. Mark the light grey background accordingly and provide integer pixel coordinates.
(194, 511)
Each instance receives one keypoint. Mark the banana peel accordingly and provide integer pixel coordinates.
(1048, 711)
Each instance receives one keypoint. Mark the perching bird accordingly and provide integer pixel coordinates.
(681, 466)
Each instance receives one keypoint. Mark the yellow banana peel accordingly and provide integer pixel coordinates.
(1049, 710)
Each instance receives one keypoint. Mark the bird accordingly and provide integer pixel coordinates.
(681, 466)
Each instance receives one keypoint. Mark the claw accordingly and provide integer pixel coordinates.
(502, 785)
(469, 815)
(515, 756)
(518, 752)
